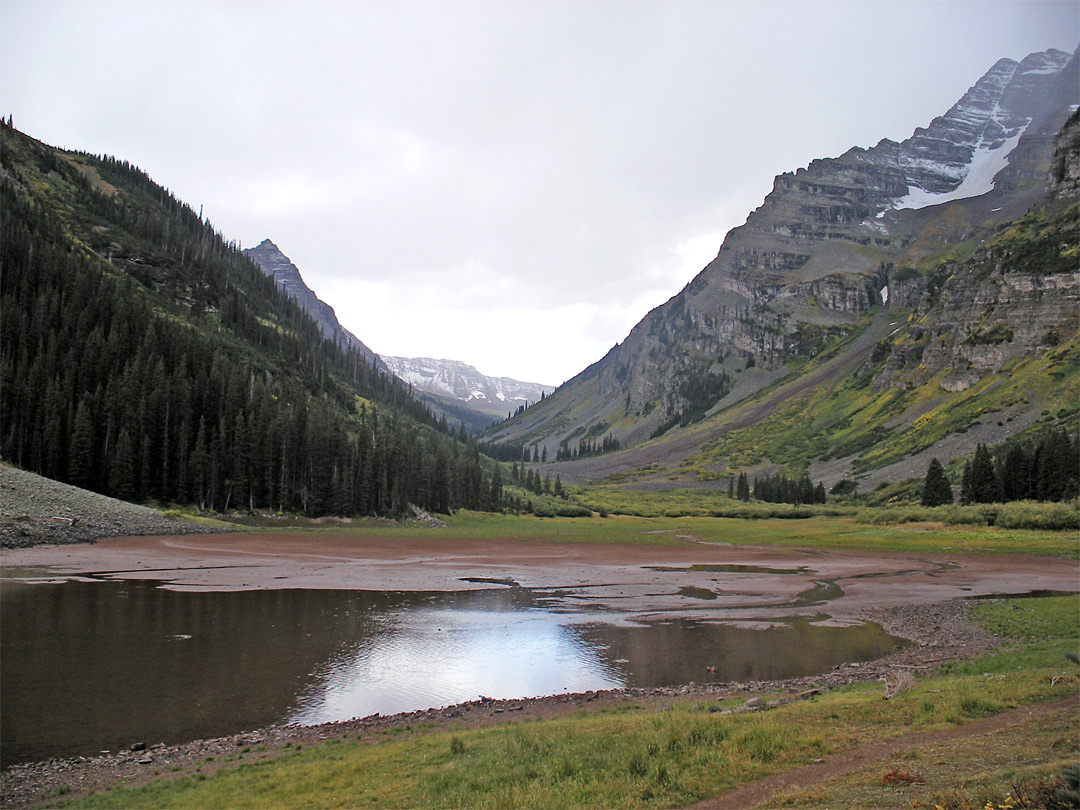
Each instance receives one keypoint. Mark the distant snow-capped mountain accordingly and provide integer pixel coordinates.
(452, 379)
(959, 154)
(447, 379)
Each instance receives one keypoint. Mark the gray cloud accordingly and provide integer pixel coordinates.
(510, 184)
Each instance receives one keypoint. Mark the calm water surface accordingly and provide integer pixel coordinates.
(92, 666)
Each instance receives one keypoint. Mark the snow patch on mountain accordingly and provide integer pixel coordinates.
(453, 379)
(960, 153)
(978, 179)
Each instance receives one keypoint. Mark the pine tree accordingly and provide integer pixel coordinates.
(495, 498)
(966, 494)
(1015, 474)
(743, 487)
(937, 490)
(985, 486)
(81, 457)
(122, 469)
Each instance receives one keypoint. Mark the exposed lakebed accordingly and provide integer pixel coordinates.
(172, 639)
(91, 665)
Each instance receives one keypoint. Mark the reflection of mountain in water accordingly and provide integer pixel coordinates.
(677, 652)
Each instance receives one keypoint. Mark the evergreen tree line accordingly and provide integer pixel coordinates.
(588, 447)
(235, 403)
(1044, 470)
(777, 488)
(531, 481)
(514, 452)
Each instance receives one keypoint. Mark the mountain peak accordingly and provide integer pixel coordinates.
(454, 379)
(826, 259)
(277, 265)
(960, 153)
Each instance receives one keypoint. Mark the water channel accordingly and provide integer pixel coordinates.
(87, 666)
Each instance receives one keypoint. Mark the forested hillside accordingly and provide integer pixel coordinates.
(144, 356)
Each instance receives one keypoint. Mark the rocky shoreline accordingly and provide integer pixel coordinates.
(36, 510)
(938, 632)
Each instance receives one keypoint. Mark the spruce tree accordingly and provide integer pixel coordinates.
(81, 458)
(743, 488)
(985, 486)
(937, 491)
(966, 494)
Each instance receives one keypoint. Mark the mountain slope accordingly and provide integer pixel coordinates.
(447, 384)
(274, 263)
(145, 357)
(850, 266)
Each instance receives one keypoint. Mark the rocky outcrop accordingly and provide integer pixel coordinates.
(834, 241)
(277, 265)
(1063, 179)
(983, 318)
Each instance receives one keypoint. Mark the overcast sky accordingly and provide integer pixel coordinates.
(512, 184)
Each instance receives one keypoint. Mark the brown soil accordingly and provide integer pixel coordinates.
(850, 761)
(911, 596)
(638, 581)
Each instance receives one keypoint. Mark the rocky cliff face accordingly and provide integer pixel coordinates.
(1063, 179)
(965, 145)
(452, 379)
(832, 244)
(275, 263)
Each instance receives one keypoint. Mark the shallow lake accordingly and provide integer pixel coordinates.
(89, 666)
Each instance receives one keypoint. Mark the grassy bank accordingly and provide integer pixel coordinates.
(641, 756)
(818, 532)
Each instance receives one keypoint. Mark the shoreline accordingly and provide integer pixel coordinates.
(24, 784)
(915, 596)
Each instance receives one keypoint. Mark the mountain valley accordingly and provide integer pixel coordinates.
(452, 388)
(908, 300)
(894, 304)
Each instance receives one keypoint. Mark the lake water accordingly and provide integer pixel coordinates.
(93, 666)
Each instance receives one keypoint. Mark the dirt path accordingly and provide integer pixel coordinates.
(848, 762)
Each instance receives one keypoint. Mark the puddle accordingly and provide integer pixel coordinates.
(489, 581)
(822, 593)
(87, 666)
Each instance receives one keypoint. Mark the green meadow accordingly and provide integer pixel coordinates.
(779, 525)
(643, 754)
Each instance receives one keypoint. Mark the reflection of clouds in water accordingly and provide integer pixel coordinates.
(436, 657)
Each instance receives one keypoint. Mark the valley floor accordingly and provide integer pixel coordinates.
(660, 572)
(916, 595)
(941, 633)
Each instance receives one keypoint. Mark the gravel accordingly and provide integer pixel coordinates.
(37, 510)
(939, 633)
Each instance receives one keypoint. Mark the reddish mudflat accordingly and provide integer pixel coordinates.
(740, 583)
